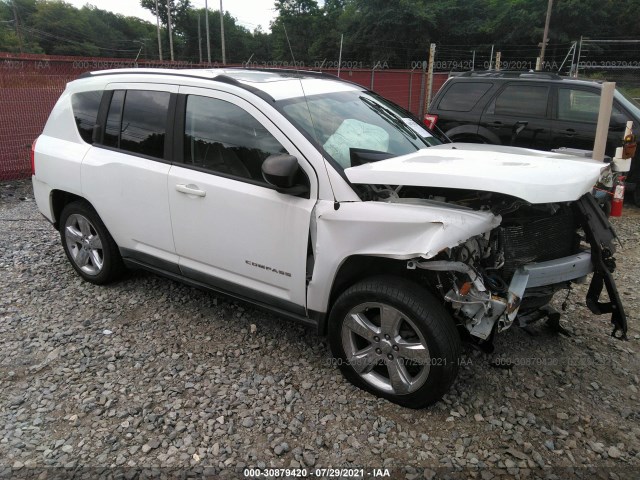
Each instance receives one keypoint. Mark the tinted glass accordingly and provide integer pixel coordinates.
(629, 103)
(112, 128)
(223, 138)
(144, 122)
(85, 112)
(576, 105)
(463, 96)
(522, 101)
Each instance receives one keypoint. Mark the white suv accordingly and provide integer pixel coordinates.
(323, 202)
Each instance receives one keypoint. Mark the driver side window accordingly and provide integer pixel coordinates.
(576, 105)
(225, 139)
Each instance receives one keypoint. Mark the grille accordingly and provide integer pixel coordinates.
(527, 240)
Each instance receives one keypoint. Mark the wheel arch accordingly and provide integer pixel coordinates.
(60, 199)
(359, 267)
(474, 131)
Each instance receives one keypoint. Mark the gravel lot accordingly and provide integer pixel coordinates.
(148, 373)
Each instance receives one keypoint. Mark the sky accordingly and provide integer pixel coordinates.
(249, 13)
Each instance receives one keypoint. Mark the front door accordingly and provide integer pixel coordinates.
(231, 229)
(576, 119)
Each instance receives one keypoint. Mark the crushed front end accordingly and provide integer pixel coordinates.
(511, 273)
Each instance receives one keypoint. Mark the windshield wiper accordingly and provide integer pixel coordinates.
(390, 117)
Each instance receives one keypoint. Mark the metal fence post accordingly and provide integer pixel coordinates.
(373, 73)
(422, 88)
(410, 88)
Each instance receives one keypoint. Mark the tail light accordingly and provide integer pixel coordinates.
(430, 120)
(33, 157)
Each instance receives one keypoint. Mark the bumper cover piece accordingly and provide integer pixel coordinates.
(600, 235)
(545, 273)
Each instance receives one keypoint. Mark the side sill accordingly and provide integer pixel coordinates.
(170, 273)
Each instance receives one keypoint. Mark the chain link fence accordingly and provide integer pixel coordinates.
(31, 84)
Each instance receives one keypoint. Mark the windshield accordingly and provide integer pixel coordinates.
(355, 127)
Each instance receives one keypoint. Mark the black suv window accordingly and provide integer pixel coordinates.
(137, 122)
(463, 96)
(85, 107)
(576, 105)
(223, 138)
(521, 100)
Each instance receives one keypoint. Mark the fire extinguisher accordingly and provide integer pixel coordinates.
(622, 165)
(618, 197)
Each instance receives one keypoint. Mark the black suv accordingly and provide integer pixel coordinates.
(538, 110)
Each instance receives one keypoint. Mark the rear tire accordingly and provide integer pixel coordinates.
(394, 339)
(88, 245)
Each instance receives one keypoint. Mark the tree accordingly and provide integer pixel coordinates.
(294, 29)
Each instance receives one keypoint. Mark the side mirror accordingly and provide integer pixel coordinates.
(281, 171)
(617, 122)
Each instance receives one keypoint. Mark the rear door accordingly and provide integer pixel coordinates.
(519, 115)
(124, 174)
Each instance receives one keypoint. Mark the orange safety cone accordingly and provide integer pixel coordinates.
(618, 199)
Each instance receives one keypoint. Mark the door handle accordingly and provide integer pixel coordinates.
(190, 190)
(494, 124)
(569, 132)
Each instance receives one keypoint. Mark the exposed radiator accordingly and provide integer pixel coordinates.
(536, 239)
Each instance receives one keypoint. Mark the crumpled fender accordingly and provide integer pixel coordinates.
(400, 230)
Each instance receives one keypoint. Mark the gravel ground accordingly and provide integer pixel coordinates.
(149, 373)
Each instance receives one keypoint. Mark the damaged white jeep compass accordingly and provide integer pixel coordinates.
(323, 202)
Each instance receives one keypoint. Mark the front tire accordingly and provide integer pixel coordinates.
(88, 245)
(394, 339)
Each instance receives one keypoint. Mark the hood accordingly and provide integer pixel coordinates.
(532, 175)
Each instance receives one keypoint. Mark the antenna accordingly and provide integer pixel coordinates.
(336, 204)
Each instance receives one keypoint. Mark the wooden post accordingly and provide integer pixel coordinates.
(432, 56)
(602, 129)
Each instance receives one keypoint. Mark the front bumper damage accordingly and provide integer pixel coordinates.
(600, 235)
(485, 310)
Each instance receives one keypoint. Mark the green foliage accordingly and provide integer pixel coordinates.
(396, 32)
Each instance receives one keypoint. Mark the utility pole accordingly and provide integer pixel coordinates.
(206, 27)
(169, 23)
(15, 20)
(340, 55)
(158, 25)
(199, 40)
(224, 56)
(545, 36)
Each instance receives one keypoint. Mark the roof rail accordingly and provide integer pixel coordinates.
(510, 74)
(309, 73)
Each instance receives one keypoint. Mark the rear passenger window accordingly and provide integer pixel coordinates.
(521, 100)
(463, 96)
(223, 138)
(137, 122)
(85, 107)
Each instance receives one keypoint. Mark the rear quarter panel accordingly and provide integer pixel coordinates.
(58, 156)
